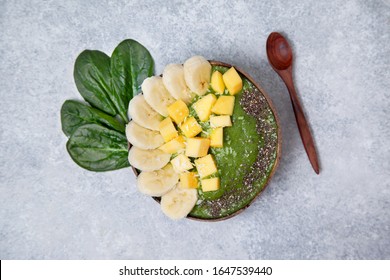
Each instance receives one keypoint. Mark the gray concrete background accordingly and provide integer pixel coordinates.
(52, 209)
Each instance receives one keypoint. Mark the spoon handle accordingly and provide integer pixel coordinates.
(303, 126)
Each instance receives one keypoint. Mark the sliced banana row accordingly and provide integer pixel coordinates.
(178, 82)
(157, 177)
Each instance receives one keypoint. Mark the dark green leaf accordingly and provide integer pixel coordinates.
(97, 148)
(131, 64)
(107, 85)
(93, 80)
(75, 114)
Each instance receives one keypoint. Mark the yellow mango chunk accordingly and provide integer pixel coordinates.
(167, 129)
(190, 127)
(203, 106)
(206, 166)
(178, 111)
(174, 146)
(197, 147)
(211, 184)
(188, 180)
(216, 137)
(217, 82)
(181, 163)
(233, 81)
(224, 105)
(220, 121)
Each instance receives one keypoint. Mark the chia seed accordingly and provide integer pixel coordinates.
(254, 104)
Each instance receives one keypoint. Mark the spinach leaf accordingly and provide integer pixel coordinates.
(97, 148)
(93, 80)
(75, 114)
(131, 64)
(97, 137)
(108, 84)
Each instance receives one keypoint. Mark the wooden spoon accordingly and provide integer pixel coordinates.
(280, 57)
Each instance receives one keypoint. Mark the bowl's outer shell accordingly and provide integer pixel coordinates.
(278, 149)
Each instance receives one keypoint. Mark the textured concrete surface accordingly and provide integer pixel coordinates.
(52, 209)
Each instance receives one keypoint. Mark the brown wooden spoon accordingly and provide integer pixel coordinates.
(280, 57)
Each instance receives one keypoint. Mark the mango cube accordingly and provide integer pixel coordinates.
(206, 166)
(203, 106)
(217, 82)
(233, 81)
(181, 163)
(197, 147)
(174, 146)
(216, 137)
(224, 105)
(167, 129)
(220, 121)
(190, 127)
(188, 180)
(211, 184)
(178, 111)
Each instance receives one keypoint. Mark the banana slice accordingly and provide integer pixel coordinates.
(143, 114)
(174, 82)
(197, 71)
(178, 202)
(156, 95)
(159, 182)
(143, 138)
(148, 160)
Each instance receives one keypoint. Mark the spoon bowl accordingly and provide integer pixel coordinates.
(279, 51)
